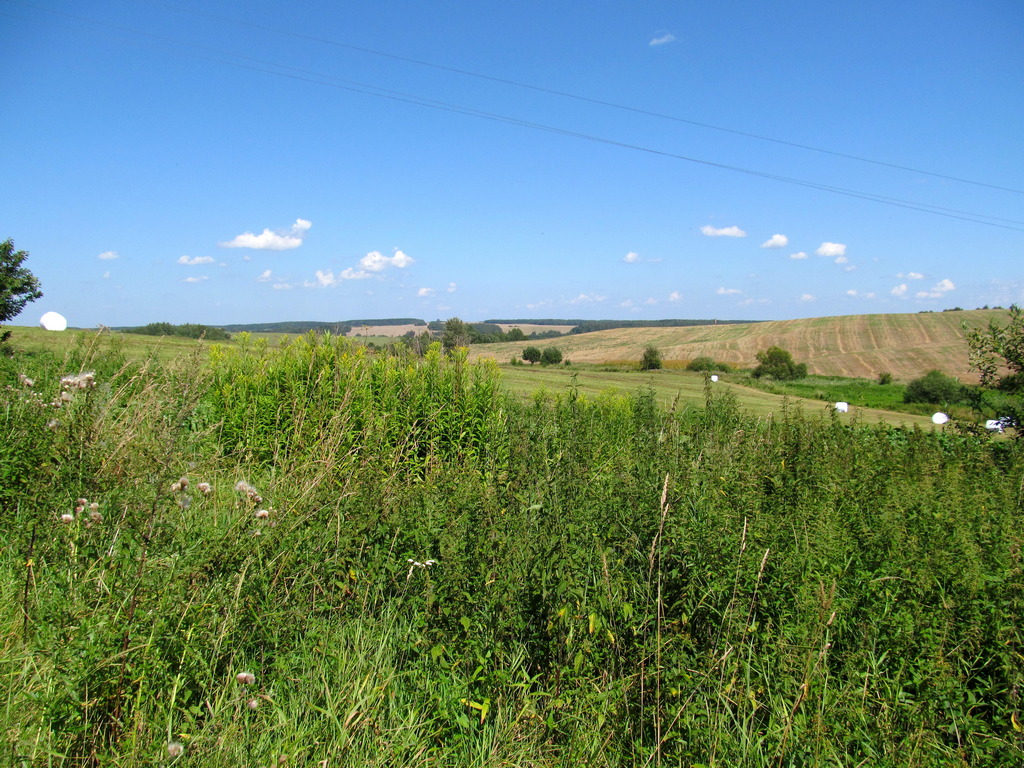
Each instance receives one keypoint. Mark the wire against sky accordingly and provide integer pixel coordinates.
(577, 97)
(318, 78)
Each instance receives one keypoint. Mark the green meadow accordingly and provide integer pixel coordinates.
(301, 552)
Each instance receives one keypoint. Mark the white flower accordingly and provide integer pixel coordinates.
(174, 748)
(245, 678)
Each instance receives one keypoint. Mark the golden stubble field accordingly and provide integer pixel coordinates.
(905, 345)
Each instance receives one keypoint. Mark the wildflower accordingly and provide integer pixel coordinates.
(96, 517)
(414, 564)
(252, 703)
(243, 487)
(262, 514)
(52, 425)
(205, 488)
(174, 748)
(245, 678)
(67, 517)
(81, 502)
(25, 381)
(183, 482)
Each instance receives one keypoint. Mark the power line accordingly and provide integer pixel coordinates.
(300, 74)
(584, 99)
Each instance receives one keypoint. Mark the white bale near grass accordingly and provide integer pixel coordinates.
(939, 418)
(53, 321)
(842, 407)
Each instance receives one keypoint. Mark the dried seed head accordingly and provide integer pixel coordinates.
(96, 517)
(175, 748)
(262, 514)
(183, 482)
(253, 703)
(205, 488)
(67, 517)
(245, 678)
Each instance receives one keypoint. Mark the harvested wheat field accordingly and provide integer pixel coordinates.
(905, 345)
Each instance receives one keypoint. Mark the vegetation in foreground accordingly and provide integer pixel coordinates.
(312, 555)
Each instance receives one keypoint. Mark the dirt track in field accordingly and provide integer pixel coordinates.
(905, 345)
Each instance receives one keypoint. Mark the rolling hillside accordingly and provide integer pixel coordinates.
(905, 345)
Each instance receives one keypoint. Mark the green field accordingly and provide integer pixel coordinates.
(306, 554)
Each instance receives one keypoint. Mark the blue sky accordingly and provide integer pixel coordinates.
(227, 162)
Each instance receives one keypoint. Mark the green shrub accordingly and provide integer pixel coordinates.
(551, 356)
(936, 388)
(778, 363)
(651, 359)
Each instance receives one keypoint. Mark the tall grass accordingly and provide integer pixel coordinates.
(615, 584)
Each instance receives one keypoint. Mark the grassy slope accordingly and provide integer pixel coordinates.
(906, 345)
(689, 387)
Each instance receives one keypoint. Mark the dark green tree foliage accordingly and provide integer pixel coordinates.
(997, 353)
(934, 387)
(188, 330)
(532, 355)
(778, 363)
(551, 356)
(515, 334)
(651, 358)
(18, 286)
(456, 334)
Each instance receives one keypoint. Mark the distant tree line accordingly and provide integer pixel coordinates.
(188, 330)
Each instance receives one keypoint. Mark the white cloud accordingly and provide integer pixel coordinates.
(271, 241)
(723, 291)
(662, 38)
(798, 255)
(650, 302)
(776, 241)
(869, 295)
(748, 302)
(675, 296)
(631, 258)
(195, 279)
(943, 286)
(723, 232)
(326, 277)
(452, 287)
(911, 276)
(831, 249)
(375, 261)
(424, 292)
(282, 286)
(852, 292)
(806, 297)
(899, 290)
(353, 274)
(588, 298)
(264, 276)
(108, 255)
(841, 260)
(191, 261)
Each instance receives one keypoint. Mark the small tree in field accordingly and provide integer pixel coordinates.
(18, 286)
(651, 358)
(531, 355)
(778, 363)
(551, 356)
(997, 353)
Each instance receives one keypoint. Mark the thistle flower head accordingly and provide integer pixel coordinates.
(245, 678)
(252, 703)
(67, 517)
(205, 488)
(262, 514)
(174, 748)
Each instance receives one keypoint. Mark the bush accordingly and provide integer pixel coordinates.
(778, 363)
(651, 359)
(705, 363)
(551, 356)
(936, 388)
(531, 355)
(884, 378)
